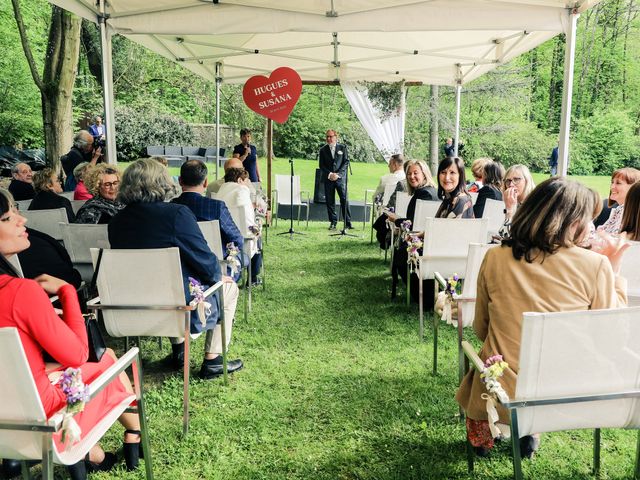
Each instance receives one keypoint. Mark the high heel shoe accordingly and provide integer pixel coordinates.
(132, 452)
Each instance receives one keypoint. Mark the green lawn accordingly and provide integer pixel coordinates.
(336, 385)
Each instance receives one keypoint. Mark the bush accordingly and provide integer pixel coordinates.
(522, 143)
(135, 130)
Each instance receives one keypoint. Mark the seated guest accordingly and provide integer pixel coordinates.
(24, 305)
(235, 192)
(456, 202)
(81, 192)
(420, 186)
(396, 174)
(48, 188)
(193, 180)
(621, 181)
(21, 186)
(149, 221)
(214, 186)
(103, 182)
(491, 186)
(540, 268)
(631, 219)
(518, 183)
(477, 169)
(81, 151)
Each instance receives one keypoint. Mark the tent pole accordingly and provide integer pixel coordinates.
(456, 140)
(567, 90)
(269, 157)
(107, 85)
(218, 82)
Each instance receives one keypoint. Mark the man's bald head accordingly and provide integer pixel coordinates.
(233, 163)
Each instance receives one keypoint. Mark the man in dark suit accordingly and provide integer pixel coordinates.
(21, 187)
(193, 180)
(333, 164)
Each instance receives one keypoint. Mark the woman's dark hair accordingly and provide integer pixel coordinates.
(6, 204)
(546, 219)
(462, 183)
(493, 174)
(631, 216)
(233, 174)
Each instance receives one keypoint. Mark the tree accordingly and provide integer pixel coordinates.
(56, 82)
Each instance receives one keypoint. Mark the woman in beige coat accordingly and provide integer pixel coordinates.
(539, 268)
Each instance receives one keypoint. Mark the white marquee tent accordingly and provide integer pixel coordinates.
(443, 42)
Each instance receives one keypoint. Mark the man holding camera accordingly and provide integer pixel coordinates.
(82, 151)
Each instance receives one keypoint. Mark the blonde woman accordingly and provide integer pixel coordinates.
(518, 184)
(48, 188)
(103, 182)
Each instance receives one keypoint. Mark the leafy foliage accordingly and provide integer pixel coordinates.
(138, 129)
(385, 97)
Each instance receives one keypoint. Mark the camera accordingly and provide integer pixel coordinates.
(99, 143)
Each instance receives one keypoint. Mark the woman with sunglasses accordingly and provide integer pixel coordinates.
(103, 182)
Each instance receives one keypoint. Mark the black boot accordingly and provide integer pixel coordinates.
(132, 451)
(78, 471)
(13, 468)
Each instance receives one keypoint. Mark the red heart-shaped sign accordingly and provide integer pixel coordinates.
(273, 97)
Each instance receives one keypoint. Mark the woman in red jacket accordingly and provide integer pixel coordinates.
(25, 305)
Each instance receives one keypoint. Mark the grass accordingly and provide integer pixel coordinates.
(336, 385)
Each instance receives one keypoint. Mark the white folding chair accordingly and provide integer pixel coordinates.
(47, 221)
(474, 197)
(211, 231)
(23, 205)
(25, 431)
(15, 263)
(630, 270)
(494, 212)
(577, 370)
(424, 209)
(466, 300)
(142, 294)
(77, 205)
(78, 239)
(282, 196)
(402, 202)
(68, 195)
(445, 250)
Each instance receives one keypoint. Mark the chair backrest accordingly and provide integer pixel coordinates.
(155, 150)
(67, 195)
(141, 277)
(283, 185)
(446, 244)
(494, 212)
(388, 191)
(474, 197)
(194, 151)
(402, 203)
(47, 221)
(239, 215)
(77, 205)
(211, 231)
(630, 270)
(80, 238)
(572, 354)
(467, 308)
(23, 205)
(424, 209)
(20, 400)
(211, 152)
(173, 150)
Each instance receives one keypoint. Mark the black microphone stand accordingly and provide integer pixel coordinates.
(343, 233)
(291, 231)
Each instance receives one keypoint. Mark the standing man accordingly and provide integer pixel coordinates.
(21, 187)
(449, 148)
(97, 130)
(247, 155)
(333, 164)
(82, 151)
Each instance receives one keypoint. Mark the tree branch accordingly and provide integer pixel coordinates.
(25, 46)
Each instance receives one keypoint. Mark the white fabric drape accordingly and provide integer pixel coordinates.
(387, 135)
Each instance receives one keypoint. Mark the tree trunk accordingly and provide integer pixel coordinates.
(56, 83)
(434, 147)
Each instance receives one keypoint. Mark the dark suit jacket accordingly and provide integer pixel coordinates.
(162, 225)
(21, 190)
(209, 209)
(338, 165)
(47, 199)
(487, 191)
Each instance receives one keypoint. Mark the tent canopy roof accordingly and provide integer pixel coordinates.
(431, 41)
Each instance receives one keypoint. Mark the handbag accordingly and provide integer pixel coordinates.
(97, 346)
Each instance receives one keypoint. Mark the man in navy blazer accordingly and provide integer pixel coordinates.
(333, 165)
(193, 180)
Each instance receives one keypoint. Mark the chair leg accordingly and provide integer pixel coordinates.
(636, 475)
(435, 344)
(408, 285)
(421, 304)
(515, 445)
(460, 351)
(308, 207)
(223, 331)
(299, 209)
(185, 368)
(47, 457)
(142, 415)
(597, 434)
(470, 454)
(24, 469)
(249, 283)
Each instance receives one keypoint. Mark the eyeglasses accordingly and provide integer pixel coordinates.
(111, 184)
(330, 136)
(514, 180)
